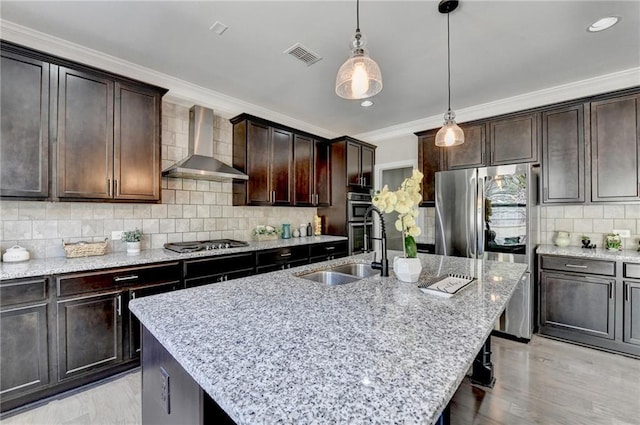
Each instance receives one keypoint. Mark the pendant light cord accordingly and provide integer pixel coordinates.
(357, 15)
(448, 63)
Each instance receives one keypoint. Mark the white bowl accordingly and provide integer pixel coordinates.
(15, 253)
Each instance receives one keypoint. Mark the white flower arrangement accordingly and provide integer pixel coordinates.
(405, 202)
(266, 230)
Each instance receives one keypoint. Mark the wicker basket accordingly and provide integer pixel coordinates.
(271, 237)
(84, 249)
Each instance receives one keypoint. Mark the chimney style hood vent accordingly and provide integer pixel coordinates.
(200, 164)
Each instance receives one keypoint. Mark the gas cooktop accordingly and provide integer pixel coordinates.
(184, 247)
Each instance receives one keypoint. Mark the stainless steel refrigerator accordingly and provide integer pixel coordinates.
(491, 213)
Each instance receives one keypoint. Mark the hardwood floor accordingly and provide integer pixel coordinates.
(543, 382)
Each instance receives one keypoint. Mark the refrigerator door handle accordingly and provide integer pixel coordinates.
(472, 193)
(480, 217)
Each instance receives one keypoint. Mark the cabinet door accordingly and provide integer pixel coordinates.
(471, 152)
(85, 135)
(133, 329)
(24, 353)
(303, 148)
(89, 334)
(615, 149)
(367, 162)
(258, 157)
(322, 180)
(353, 164)
(581, 304)
(563, 154)
(514, 139)
(429, 163)
(24, 132)
(631, 308)
(136, 143)
(281, 168)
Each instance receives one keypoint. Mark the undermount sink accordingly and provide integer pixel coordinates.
(330, 277)
(339, 275)
(356, 269)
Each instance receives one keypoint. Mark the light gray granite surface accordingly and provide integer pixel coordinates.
(277, 348)
(598, 253)
(52, 266)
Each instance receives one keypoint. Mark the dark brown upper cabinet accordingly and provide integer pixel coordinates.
(85, 135)
(360, 161)
(24, 134)
(303, 151)
(615, 149)
(108, 138)
(513, 139)
(268, 165)
(285, 166)
(311, 172)
(472, 152)
(430, 161)
(103, 131)
(563, 159)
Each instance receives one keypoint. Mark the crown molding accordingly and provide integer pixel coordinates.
(589, 87)
(180, 91)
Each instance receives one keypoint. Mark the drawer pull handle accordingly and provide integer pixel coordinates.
(125, 278)
(576, 266)
(286, 254)
(119, 305)
(330, 248)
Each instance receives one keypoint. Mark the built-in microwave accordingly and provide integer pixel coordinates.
(357, 204)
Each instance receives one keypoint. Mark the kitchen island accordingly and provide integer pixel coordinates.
(277, 348)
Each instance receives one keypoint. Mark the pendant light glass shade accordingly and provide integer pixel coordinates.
(359, 77)
(450, 134)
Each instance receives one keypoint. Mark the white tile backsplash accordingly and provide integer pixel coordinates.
(190, 209)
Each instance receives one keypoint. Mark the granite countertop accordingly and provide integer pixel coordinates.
(598, 253)
(276, 348)
(61, 265)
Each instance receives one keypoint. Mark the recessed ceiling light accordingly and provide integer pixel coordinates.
(366, 103)
(603, 24)
(218, 27)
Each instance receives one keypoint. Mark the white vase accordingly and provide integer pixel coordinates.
(407, 269)
(133, 248)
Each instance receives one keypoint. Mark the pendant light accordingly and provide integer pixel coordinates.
(450, 134)
(359, 77)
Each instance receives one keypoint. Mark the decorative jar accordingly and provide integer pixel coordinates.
(563, 239)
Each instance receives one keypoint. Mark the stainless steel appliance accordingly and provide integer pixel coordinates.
(491, 213)
(357, 204)
(183, 247)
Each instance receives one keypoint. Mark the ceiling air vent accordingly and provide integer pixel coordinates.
(303, 54)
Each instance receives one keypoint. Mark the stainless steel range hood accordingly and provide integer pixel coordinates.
(200, 164)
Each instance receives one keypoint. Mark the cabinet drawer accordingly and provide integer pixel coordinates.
(579, 265)
(331, 248)
(218, 265)
(79, 283)
(283, 255)
(23, 291)
(632, 270)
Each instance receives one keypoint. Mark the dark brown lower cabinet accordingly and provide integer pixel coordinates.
(327, 251)
(578, 303)
(631, 312)
(89, 334)
(282, 258)
(24, 329)
(24, 359)
(133, 327)
(218, 269)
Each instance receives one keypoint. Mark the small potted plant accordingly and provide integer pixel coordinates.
(132, 238)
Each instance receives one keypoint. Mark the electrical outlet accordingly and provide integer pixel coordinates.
(116, 235)
(624, 233)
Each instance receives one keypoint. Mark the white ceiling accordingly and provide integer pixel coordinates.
(499, 49)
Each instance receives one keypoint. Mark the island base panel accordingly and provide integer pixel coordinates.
(169, 395)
